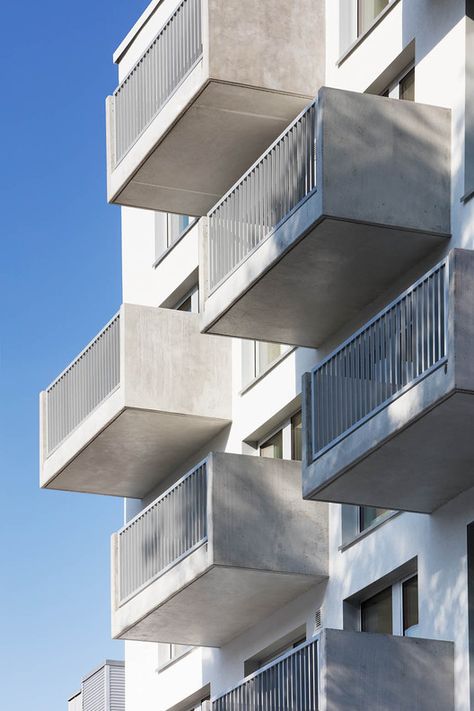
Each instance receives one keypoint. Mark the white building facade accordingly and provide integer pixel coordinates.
(299, 518)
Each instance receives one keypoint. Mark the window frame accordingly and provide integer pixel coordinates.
(286, 428)
(397, 606)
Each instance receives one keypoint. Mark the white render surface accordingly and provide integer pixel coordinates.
(174, 395)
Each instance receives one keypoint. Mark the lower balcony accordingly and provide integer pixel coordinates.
(388, 415)
(350, 197)
(138, 401)
(345, 671)
(224, 547)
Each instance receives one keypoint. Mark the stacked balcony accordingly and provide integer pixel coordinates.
(350, 197)
(343, 671)
(227, 545)
(387, 416)
(141, 398)
(204, 87)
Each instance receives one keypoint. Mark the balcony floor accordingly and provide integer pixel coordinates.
(322, 270)
(419, 467)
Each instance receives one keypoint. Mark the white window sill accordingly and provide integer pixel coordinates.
(352, 47)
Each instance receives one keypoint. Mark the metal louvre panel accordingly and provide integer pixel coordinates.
(93, 692)
(116, 688)
(83, 385)
(288, 684)
(263, 197)
(398, 347)
(156, 75)
(167, 530)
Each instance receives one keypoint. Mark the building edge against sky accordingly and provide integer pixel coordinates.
(302, 532)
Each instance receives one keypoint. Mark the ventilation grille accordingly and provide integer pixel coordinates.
(318, 619)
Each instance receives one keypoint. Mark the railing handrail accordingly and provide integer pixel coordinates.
(149, 45)
(162, 496)
(368, 324)
(262, 157)
(84, 350)
(274, 662)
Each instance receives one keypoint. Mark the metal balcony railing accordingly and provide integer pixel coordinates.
(156, 75)
(166, 531)
(290, 683)
(83, 385)
(264, 197)
(391, 353)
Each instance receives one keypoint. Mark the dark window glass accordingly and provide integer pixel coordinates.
(297, 437)
(273, 447)
(410, 604)
(376, 613)
(186, 305)
(368, 515)
(407, 86)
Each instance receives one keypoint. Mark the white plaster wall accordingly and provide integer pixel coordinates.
(439, 541)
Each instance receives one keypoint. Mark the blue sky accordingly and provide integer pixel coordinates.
(59, 283)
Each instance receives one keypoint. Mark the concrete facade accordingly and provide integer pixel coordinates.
(259, 66)
(392, 199)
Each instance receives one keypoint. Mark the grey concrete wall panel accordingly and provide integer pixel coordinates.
(265, 546)
(415, 453)
(174, 395)
(260, 64)
(381, 205)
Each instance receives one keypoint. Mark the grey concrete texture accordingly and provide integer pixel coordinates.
(362, 672)
(261, 63)
(416, 453)
(382, 204)
(174, 396)
(265, 547)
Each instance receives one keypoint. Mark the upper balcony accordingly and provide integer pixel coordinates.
(387, 417)
(344, 671)
(228, 544)
(205, 87)
(139, 400)
(353, 194)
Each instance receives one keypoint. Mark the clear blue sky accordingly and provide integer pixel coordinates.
(59, 283)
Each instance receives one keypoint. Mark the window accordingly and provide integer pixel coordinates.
(168, 229)
(370, 516)
(367, 11)
(410, 605)
(376, 613)
(285, 442)
(403, 87)
(258, 357)
(189, 302)
(168, 653)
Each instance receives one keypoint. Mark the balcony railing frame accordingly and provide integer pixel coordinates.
(316, 453)
(315, 640)
(122, 600)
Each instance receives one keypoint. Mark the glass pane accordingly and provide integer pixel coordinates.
(369, 515)
(376, 613)
(297, 437)
(267, 353)
(273, 447)
(410, 604)
(368, 11)
(186, 305)
(407, 86)
(176, 226)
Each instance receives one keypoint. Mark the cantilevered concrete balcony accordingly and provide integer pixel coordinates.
(225, 546)
(388, 416)
(351, 196)
(140, 399)
(344, 671)
(205, 87)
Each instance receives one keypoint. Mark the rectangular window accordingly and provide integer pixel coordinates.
(367, 12)
(273, 447)
(369, 516)
(168, 229)
(410, 604)
(376, 613)
(297, 437)
(258, 357)
(168, 653)
(407, 86)
(189, 302)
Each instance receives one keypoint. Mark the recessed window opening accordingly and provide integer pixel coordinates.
(285, 442)
(393, 610)
(258, 357)
(403, 86)
(189, 302)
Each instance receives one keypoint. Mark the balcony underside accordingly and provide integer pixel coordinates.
(320, 270)
(199, 144)
(418, 466)
(218, 604)
(133, 452)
